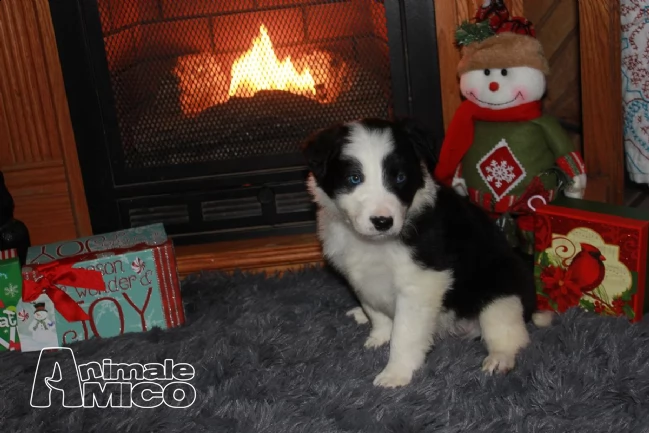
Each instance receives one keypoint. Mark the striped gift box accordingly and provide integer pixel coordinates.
(8, 254)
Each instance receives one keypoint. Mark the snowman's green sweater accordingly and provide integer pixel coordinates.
(537, 144)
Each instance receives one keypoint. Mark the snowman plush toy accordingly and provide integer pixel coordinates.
(500, 149)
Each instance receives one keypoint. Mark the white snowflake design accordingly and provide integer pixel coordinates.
(11, 290)
(502, 172)
(104, 308)
(152, 323)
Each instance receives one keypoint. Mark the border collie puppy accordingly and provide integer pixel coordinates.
(423, 261)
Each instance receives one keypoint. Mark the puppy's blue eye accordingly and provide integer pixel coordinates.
(354, 179)
(401, 178)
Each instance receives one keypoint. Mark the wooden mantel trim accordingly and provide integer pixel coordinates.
(601, 83)
(266, 254)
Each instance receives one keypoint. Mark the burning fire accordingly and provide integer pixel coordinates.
(203, 82)
(260, 69)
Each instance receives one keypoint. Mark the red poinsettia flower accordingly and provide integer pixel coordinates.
(543, 303)
(551, 275)
(564, 292)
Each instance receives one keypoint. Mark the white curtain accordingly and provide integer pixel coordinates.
(635, 87)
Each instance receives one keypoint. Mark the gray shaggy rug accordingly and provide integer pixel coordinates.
(279, 355)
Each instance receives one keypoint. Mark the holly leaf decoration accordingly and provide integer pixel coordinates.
(540, 289)
(629, 311)
(468, 33)
(544, 260)
(627, 295)
(587, 305)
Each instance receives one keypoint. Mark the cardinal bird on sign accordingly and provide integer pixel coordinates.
(586, 270)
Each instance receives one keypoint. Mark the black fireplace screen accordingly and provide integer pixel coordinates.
(191, 112)
(197, 82)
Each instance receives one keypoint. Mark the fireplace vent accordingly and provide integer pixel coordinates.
(220, 210)
(174, 214)
(293, 202)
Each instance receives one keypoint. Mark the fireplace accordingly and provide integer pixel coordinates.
(191, 112)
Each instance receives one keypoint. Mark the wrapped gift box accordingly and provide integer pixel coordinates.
(99, 286)
(10, 290)
(593, 256)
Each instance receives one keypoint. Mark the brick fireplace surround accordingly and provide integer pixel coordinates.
(150, 28)
(146, 31)
(162, 138)
(135, 32)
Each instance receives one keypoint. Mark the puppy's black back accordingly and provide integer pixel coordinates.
(456, 235)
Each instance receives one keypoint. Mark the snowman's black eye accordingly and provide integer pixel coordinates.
(504, 72)
(487, 72)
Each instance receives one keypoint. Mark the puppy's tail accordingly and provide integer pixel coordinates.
(542, 319)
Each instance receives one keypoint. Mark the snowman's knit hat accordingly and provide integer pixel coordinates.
(498, 41)
(504, 50)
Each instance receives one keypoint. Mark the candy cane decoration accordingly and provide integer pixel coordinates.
(8, 254)
(12, 334)
(138, 265)
(11, 344)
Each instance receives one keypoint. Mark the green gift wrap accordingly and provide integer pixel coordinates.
(10, 290)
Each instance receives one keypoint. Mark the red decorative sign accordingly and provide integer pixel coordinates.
(592, 260)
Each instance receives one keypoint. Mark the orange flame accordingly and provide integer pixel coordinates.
(260, 69)
(203, 78)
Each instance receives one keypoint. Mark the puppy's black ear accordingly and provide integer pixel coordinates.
(322, 147)
(423, 141)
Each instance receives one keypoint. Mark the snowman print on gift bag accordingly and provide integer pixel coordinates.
(37, 324)
(42, 326)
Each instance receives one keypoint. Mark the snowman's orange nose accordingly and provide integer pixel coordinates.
(493, 86)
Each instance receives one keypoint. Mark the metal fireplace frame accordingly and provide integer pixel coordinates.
(416, 93)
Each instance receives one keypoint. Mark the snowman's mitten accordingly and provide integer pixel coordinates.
(567, 158)
(577, 188)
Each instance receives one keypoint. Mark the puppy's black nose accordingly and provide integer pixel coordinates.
(382, 223)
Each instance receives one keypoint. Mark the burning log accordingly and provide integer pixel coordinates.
(319, 75)
(202, 82)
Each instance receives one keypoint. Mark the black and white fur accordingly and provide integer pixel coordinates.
(423, 261)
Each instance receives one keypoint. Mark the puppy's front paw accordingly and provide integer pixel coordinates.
(377, 338)
(359, 315)
(393, 377)
(498, 362)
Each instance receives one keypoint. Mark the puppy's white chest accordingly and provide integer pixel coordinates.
(372, 268)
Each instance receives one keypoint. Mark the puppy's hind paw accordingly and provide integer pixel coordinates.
(498, 362)
(392, 378)
(359, 315)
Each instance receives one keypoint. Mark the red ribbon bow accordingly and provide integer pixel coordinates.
(60, 272)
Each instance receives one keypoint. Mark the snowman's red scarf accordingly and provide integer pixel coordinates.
(459, 135)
